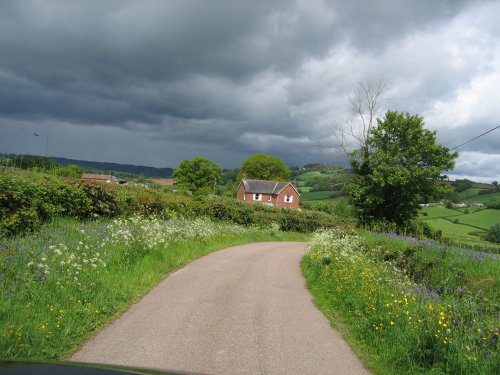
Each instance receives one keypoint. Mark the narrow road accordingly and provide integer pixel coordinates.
(242, 310)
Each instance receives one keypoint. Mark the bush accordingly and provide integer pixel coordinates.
(494, 234)
(28, 200)
(495, 204)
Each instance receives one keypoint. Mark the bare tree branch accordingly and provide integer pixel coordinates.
(365, 105)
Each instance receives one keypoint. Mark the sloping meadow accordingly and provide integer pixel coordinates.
(409, 306)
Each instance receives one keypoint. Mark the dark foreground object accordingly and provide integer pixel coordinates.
(59, 368)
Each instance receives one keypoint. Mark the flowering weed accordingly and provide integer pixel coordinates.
(61, 283)
(413, 308)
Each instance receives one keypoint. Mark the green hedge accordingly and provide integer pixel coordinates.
(27, 200)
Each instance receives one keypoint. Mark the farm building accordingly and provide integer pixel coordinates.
(272, 193)
(163, 181)
(100, 177)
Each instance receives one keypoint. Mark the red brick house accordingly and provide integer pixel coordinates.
(272, 193)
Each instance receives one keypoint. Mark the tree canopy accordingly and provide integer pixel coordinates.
(197, 173)
(265, 167)
(400, 162)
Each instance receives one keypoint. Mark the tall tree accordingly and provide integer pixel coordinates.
(197, 173)
(399, 162)
(265, 167)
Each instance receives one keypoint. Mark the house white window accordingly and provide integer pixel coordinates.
(257, 197)
(269, 199)
(288, 198)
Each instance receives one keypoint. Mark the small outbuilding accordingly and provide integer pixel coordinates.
(100, 178)
(272, 193)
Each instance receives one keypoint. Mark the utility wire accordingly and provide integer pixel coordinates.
(470, 140)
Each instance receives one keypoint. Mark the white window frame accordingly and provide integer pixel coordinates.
(288, 199)
(257, 197)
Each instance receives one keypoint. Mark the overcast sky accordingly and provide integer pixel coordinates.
(156, 82)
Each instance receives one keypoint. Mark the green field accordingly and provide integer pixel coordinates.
(461, 227)
(306, 182)
(317, 195)
(454, 230)
(308, 175)
(472, 192)
(434, 212)
(483, 218)
(484, 198)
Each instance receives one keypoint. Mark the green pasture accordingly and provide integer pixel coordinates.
(484, 198)
(454, 230)
(472, 192)
(308, 175)
(461, 227)
(317, 195)
(438, 211)
(484, 219)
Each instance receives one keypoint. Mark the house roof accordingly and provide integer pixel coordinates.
(103, 177)
(163, 181)
(265, 187)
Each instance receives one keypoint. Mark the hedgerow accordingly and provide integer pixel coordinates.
(28, 200)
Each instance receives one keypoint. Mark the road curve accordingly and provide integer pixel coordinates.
(242, 310)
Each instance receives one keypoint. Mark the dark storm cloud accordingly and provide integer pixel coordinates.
(231, 78)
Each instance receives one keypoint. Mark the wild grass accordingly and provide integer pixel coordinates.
(407, 306)
(60, 284)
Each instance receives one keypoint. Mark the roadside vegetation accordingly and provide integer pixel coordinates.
(74, 254)
(60, 284)
(408, 306)
(30, 199)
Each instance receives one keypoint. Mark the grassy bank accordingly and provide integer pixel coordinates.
(62, 283)
(407, 306)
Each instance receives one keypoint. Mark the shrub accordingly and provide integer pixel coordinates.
(28, 200)
(494, 234)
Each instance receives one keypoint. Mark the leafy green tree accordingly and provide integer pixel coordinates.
(265, 167)
(197, 173)
(493, 234)
(462, 185)
(70, 170)
(399, 163)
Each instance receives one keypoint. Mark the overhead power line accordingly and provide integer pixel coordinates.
(470, 140)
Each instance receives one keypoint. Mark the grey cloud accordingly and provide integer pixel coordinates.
(230, 78)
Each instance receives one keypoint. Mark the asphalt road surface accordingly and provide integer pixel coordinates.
(242, 310)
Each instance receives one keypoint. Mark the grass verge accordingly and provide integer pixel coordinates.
(408, 308)
(59, 285)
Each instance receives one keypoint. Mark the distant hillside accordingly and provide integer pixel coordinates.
(117, 169)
